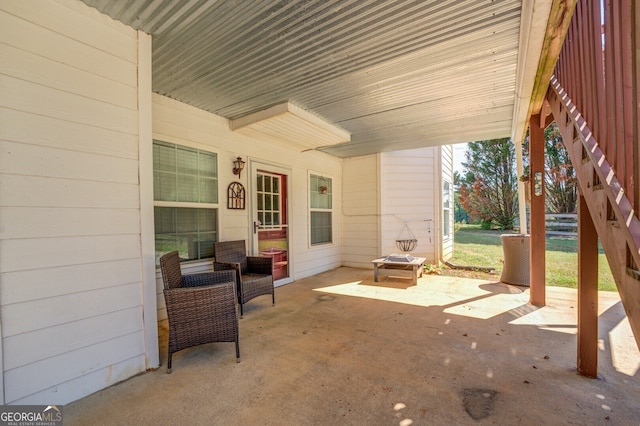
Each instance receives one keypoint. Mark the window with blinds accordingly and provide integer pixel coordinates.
(185, 190)
(320, 210)
(184, 174)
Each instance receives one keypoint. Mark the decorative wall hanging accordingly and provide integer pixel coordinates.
(235, 196)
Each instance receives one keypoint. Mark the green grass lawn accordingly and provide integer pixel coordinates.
(478, 247)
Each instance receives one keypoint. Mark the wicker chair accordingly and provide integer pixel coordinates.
(254, 273)
(201, 308)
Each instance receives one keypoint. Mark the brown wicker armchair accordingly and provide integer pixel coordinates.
(201, 308)
(254, 273)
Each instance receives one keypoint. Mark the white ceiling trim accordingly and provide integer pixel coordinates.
(533, 26)
(290, 123)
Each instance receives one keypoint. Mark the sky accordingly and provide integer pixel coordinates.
(458, 156)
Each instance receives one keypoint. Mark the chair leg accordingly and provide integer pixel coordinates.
(169, 363)
(273, 298)
(237, 350)
(241, 310)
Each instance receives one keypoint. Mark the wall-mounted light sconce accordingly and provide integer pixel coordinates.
(238, 165)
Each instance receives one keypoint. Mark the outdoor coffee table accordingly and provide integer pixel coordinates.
(404, 262)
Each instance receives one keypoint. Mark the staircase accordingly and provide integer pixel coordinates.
(612, 213)
(593, 97)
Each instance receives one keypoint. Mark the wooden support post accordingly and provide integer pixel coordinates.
(537, 227)
(587, 292)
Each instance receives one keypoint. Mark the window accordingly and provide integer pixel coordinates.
(185, 193)
(269, 206)
(320, 210)
(446, 209)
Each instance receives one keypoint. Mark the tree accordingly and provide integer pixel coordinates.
(488, 191)
(560, 178)
(561, 182)
(460, 215)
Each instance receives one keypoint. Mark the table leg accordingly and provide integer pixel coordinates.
(375, 272)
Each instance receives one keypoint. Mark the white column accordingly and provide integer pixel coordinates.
(145, 170)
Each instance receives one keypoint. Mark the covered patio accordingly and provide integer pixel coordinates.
(306, 91)
(339, 348)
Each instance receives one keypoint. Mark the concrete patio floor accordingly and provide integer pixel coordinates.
(338, 348)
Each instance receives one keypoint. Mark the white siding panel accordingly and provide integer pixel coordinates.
(35, 284)
(162, 307)
(362, 204)
(361, 208)
(69, 18)
(51, 192)
(446, 153)
(362, 225)
(25, 127)
(360, 258)
(23, 222)
(70, 264)
(36, 69)
(308, 265)
(25, 254)
(168, 132)
(52, 371)
(44, 313)
(189, 123)
(51, 102)
(235, 223)
(34, 160)
(30, 37)
(408, 185)
(358, 242)
(78, 387)
(26, 348)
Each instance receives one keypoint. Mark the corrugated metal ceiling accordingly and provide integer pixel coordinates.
(395, 74)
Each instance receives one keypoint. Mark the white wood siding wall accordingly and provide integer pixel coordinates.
(70, 264)
(409, 193)
(384, 192)
(361, 211)
(446, 165)
(179, 123)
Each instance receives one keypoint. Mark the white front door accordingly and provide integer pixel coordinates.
(270, 218)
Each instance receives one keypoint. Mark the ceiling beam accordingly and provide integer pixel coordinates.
(557, 26)
(541, 41)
